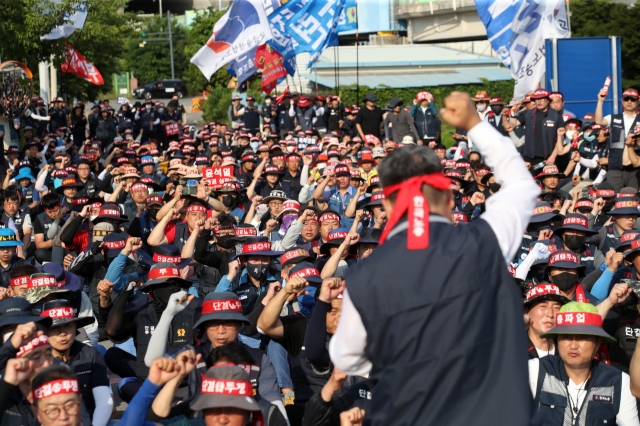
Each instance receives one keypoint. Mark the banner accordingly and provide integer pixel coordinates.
(282, 41)
(217, 175)
(243, 67)
(242, 28)
(497, 17)
(536, 21)
(76, 64)
(273, 70)
(73, 22)
(348, 20)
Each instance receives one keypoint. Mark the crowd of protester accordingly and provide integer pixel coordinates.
(201, 271)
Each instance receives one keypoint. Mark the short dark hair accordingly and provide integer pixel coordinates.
(315, 210)
(51, 373)
(22, 270)
(49, 200)
(12, 193)
(226, 221)
(233, 352)
(410, 161)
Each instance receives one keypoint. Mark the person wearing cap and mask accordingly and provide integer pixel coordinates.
(539, 228)
(573, 387)
(574, 233)
(142, 225)
(139, 318)
(593, 149)
(564, 270)
(623, 215)
(620, 172)
(541, 305)
(370, 311)
(604, 201)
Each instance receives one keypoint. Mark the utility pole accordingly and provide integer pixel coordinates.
(170, 43)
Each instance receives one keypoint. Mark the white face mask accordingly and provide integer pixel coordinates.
(148, 106)
(322, 165)
(267, 101)
(7, 336)
(570, 134)
(91, 218)
(291, 148)
(481, 107)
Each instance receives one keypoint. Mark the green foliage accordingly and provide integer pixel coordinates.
(197, 37)
(153, 61)
(607, 18)
(217, 104)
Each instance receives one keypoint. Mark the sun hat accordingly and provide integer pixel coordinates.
(579, 318)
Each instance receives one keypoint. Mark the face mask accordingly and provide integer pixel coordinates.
(307, 301)
(474, 162)
(160, 110)
(228, 201)
(257, 270)
(322, 165)
(7, 336)
(225, 241)
(267, 101)
(153, 213)
(570, 134)
(162, 293)
(494, 187)
(92, 218)
(589, 138)
(148, 107)
(497, 109)
(291, 148)
(564, 280)
(481, 107)
(574, 242)
(254, 146)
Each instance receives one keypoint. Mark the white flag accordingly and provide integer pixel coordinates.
(536, 21)
(75, 21)
(242, 28)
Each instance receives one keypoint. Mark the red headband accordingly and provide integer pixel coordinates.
(18, 281)
(306, 272)
(256, 247)
(171, 259)
(411, 201)
(109, 212)
(56, 387)
(226, 387)
(139, 186)
(582, 221)
(545, 289)
(34, 343)
(196, 208)
(246, 232)
(210, 306)
(605, 193)
(45, 281)
(112, 245)
(577, 318)
(59, 313)
(164, 273)
(329, 216)
(584, 203)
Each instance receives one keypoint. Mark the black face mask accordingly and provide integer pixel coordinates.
(152, 214)
(574, 242)
(162, 292)
(475, 162)
(564, 280)
(494, 187)
(257, 270)
(225, 241)
(229, 201)
(497, 109)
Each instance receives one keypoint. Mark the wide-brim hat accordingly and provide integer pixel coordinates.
(549, 171)
(334, 239)
(295, 255)
(61, 312)
(256, 246)
(209, 397)
(306, 270)
(65, 279)
(68, 183)
(566, 260)
(162, 272)
(370, 235)
(110, 211)
(221, 306)
(8, 238)
(17, 310)
(371, 97)
(164, 253)
(579, 318)
(24, 173)
(36, 294)
(575, 222)
(272, 169)
(30, 144)
(276, 194)
(544, 292)
(624, 206)
(543, 212)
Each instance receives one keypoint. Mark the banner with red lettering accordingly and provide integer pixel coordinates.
(217, 175)
(172, 129)
(272, 70)
(77, 64)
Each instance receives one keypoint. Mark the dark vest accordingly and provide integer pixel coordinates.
(46, 223)
(181, 236)
(89, 187)
(307, 379)
(610, 240)
(440, 297)
(180, 332)
(600, 405)
(28, 196)
(617, 140)
(18, 220)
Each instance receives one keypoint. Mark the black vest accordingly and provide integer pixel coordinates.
(618, 137)
(180, 332)
(46, 223)
(610, 240)
(427, 337)
(18, 220)
(601, 404)
(307, 379)
(181, 235)
(28, 197)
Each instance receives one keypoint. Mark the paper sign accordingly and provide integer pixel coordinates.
(122, 100)
(172, 129)
(217, 175)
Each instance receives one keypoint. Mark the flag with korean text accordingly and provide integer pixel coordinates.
(77, 64)
(282, 41)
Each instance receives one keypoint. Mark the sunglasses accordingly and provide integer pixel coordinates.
(629, 99)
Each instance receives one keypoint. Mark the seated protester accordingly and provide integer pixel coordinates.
(564, 270)
(303, 232)
(20, 277)
(86, 361)
(378, 215)
(219, 325)
(599, 214)
(11, 211)
(271, 180)
(572, 236)
(334, 259)
(139, 318)
(549, 178)
(539, 228)
(16, 317)
(290, 332)
(25, 181)
(9, 259)
(230, 195)
(68, 189)
(91, 184)
(567, 386)
(46, 225)
(264, 215)
(338, 197)
(253, 275)
(168, 231)
(217, 406)
(216, 254)
(620, 265)
(142, 225)
(77, 233)
(367, 243)
(541, 305)
(624, 215)
(531, 270)
(136, 203)
(277, 227)
(149, 169)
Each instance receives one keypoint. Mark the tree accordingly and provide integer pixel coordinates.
(153, 61)
(197, 37)
(606, 18)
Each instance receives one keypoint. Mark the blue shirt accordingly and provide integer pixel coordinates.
(339, 203)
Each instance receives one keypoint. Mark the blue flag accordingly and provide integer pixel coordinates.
(281, 41)
(348, 20)
(498, 17)
(243, 67)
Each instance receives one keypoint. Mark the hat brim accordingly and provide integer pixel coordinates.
(324, 249)
(560, 231)
(566, 265)
(279, 173)
(558, 175)
(367, 241)
(80, 321)
(15, 243)
(60, 189)
(23, 318)
(109, 217)
(35, 297)
(624, 212)
(180, 281)
(298, 260)
(543, 217)
(265, 253)
(584, 330)
(222, 316)
(544, 297)
(204, 402)
(147, 260)
(271, 198)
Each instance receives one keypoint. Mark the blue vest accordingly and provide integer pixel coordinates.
(600, 406)
(427, 333)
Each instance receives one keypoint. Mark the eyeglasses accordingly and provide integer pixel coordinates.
(275, 203)
(71, 408)
(629, 99)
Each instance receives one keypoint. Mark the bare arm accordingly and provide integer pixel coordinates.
(256, 174)
(599, 117)
(318, 193)
(157, 236)
(171, 204)
(269, 320)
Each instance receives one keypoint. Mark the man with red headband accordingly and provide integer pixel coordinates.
(425, 338)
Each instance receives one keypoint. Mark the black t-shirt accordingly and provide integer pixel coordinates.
(538, 132)
(369, 120)
(295, 327)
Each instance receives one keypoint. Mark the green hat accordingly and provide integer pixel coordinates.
(579, 318)
(42, 285)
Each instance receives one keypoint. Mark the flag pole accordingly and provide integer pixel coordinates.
(357, 59)
(335, 78)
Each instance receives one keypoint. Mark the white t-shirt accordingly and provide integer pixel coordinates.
(542, 353)
(626, 120)
(628, 412)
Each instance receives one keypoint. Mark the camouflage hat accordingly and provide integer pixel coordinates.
(42, 285)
